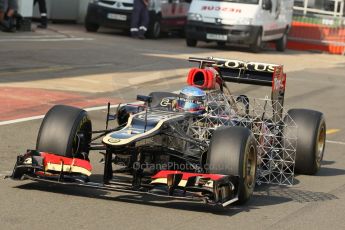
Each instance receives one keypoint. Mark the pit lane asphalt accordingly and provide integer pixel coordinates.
(314, 202)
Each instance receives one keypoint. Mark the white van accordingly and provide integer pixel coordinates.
(249, 22)
(165, 15)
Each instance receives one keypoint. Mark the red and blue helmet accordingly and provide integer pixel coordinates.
(192, 99)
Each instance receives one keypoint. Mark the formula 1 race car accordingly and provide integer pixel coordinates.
(203, 143)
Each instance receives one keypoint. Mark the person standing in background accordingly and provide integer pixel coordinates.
(43, 12)
(2, 9)
(7, 11)
(140, 18)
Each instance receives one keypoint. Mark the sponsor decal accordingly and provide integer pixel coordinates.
(152, 117)
(254, 66)
(219, 8)
(165, 102)
(279, 79)
(113, 140)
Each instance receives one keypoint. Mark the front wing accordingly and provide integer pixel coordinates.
(214, 189)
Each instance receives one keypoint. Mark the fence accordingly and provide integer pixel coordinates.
(319, 29)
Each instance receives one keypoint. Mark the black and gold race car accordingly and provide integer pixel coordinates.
(201, 144)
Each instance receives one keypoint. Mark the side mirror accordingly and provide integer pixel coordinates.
(143, 98)
(267, 5)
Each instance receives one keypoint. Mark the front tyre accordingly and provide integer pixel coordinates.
(65, 131)
(311, 138)
(233, 152)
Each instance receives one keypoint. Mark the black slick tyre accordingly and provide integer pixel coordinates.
(233, 152)
(311, 138)
(65, 131)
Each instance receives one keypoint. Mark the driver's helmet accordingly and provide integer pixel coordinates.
(192, 99)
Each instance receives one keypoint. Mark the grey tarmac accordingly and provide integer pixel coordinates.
(314, 81)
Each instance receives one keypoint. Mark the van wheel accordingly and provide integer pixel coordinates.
(281, 43)
(191, 42)
(233, 152)
(257, 45)
(91, 27)
(65, 131)
(154, 30)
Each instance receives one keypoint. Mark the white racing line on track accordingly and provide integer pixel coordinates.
(21, 120)
(100, 108)
(41, 116)
(335, 142)
(9, 122)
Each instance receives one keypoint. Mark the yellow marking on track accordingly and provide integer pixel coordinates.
(331, 131)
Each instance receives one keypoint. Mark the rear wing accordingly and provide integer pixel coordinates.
(254, 73)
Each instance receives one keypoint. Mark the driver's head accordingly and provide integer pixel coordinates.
(192, 99)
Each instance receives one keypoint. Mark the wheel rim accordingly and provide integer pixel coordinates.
(85, 130)
(320, 145)
(250, 166)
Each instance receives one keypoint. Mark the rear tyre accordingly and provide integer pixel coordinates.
(311, 138)
(281, 43)
(191, 42)
(91, 27)
(256, 47)
(65, 131)
(233, 152)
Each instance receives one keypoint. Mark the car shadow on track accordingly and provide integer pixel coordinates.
(263, 196)
(327, 163)
(326, 171)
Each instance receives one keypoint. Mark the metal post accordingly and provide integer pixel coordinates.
(336, 3)
(342, 8)
(305, 6)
